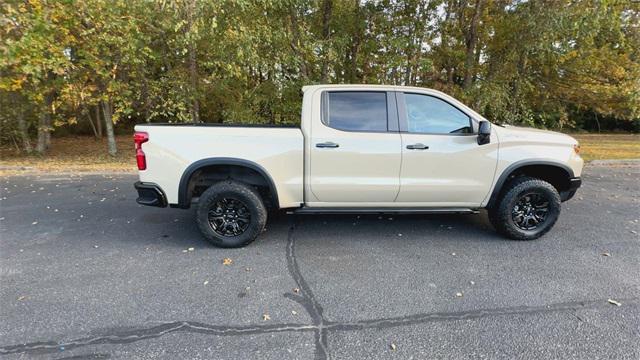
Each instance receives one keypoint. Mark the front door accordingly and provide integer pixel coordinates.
(355, 152)
(442, 163)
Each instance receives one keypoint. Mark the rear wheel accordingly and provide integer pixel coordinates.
(231, 214)
(527, 209)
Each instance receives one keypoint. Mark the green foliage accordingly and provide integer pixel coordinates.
(552, 64)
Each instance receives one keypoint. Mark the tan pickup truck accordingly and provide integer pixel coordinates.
(359, 149)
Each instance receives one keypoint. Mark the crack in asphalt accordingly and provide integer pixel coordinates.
(134, 335)
(305, 297)
(470, 315)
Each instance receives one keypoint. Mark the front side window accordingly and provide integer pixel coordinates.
(428, 114)
(356, 111)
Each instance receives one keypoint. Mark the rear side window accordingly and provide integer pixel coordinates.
(356, 111)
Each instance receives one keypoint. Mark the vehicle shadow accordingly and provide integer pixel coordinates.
(177, 228)
(373, 227)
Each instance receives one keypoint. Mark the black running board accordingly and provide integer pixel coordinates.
(341, 210)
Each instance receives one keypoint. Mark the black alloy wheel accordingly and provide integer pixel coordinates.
(526, 209)
(229, 217)
(530, 211)
(231, 214)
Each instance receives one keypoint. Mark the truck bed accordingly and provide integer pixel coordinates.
(172, 148)
(285, 126)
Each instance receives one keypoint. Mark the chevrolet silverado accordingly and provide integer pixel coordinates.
(359, 149)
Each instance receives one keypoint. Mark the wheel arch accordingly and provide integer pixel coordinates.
(557, 174)
(185, 190)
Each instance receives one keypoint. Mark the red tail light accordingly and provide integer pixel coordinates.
(140, 138)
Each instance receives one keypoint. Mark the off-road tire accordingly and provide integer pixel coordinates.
(245, 194)
(500, 214)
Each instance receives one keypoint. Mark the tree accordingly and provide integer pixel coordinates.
(34, 57)
(105, 65)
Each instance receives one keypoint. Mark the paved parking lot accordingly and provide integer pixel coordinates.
(87, 273)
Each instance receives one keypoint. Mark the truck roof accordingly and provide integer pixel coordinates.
(423, 90)
(369, 86)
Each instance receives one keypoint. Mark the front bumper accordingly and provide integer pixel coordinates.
(574, 184)
(150, 194)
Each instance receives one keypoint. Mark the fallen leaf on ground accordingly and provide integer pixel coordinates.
(459, 294)
(296, 290)
(22, 298)
(34, 223)
(294, 312)
(605, 254)
(266, 317)
(206, 282)
(613, 302)
(191, 249)
(393, 346)
(227, 261)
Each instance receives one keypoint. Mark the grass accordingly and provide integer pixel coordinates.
(72, 154)
(609, 146)
(85, 154)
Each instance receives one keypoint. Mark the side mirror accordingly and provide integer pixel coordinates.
(484, 133)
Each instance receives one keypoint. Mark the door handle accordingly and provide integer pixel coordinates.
(327, 144)
(417, 146)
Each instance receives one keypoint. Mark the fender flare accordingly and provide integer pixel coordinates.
(517, 165)
(184, 199)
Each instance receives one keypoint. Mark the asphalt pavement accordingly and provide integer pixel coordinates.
(86, 273)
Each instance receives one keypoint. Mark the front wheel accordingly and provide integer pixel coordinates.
(527, 209)
(231, 214)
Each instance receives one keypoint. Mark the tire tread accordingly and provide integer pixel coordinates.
(251, 198)
(500, 215)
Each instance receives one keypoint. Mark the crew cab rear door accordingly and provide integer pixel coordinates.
(354, 149)
(442, 163)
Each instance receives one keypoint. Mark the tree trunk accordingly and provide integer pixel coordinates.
(471, 38)
(93, 127)
(15, 143)
(145, 96)
(98, 122)
(408, 11)
(22, 124)
(44, 126)
(352, 65)
(445, 41)
(193, 66)
(295, 43)
(108, 125)
(326, 34)
(24, 135)
(43, 132)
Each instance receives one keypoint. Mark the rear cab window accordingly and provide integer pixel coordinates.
(362, 111)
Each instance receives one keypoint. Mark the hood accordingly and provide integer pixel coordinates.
(508, 132)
